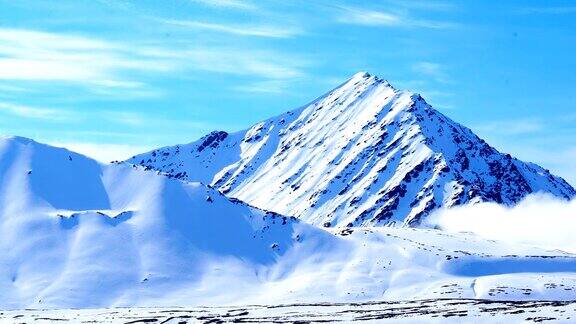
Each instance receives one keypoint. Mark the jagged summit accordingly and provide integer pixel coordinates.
(364, 153)
(365, 76)
(4, 139)
(360, 75)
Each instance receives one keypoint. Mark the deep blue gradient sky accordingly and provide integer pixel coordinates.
(111, 78)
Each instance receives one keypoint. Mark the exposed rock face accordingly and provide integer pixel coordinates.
(362, 154)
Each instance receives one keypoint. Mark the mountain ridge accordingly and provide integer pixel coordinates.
(362, 154)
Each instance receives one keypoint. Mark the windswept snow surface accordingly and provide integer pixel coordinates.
(80, 234)
(414, 311)
(363, 154)
(75, 233)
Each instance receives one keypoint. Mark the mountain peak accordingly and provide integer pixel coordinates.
(360, 75)
(362, 154)
(18, 139)
(364, 77)
(365, 81)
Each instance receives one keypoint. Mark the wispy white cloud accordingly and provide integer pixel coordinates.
(265, 64)
(553, 10)
(370, 17)
(512, 127)
(432, 70)
(229, 4)
(437, 6)
(35, 112)
(28, 55)
(105, 66)
(268, 86)
(257, 64)
(139, 120)
(127, 118)
(12, 88)
(241, 30)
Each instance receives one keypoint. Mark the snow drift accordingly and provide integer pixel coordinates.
(78, 233)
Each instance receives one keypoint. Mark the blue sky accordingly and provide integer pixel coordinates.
(111, 78)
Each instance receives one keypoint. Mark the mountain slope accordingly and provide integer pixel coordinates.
(363, 154)
(77, 233)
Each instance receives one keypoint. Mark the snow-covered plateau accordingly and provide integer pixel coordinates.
(150, 242)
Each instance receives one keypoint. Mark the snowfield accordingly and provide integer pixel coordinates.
(418, 311)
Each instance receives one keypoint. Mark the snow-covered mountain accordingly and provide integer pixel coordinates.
(75, 233)
(363, 154)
